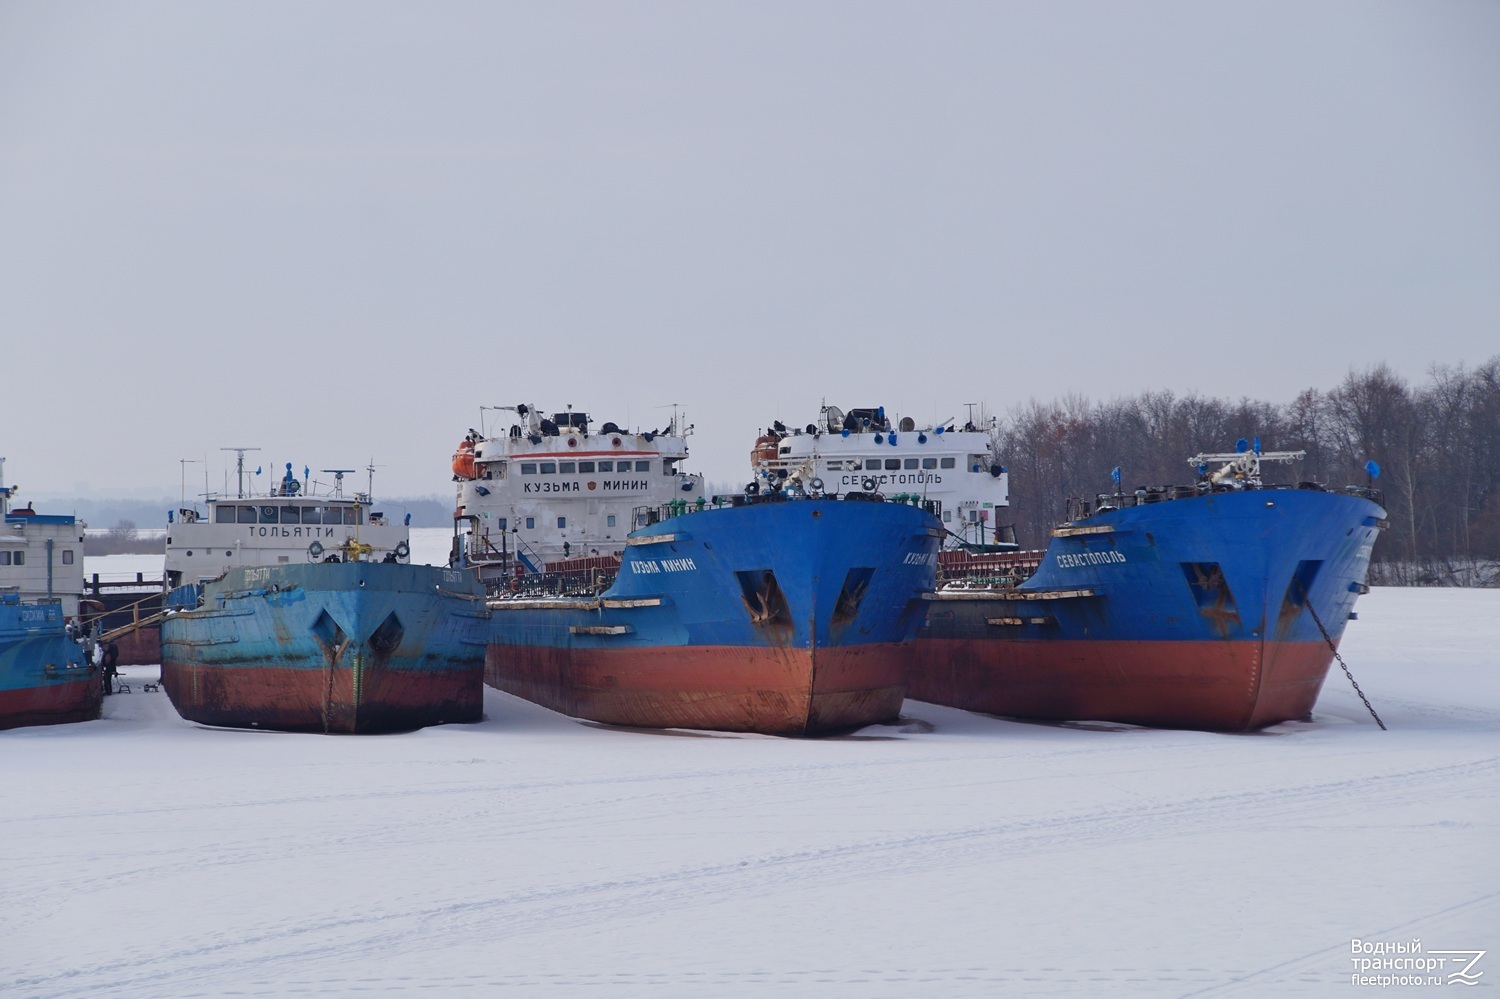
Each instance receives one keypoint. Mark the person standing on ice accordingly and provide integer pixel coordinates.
(111, 666)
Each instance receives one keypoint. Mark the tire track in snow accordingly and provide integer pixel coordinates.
(599, 901)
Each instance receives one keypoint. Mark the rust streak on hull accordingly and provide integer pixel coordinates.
(315, 700)
(54, 703)
(775, 690)
(1215, 685)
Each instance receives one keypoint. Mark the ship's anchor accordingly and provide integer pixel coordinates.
(1318, 621)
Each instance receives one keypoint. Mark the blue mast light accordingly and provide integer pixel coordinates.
(1372, 469)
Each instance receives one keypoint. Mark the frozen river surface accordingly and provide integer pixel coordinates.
(951, 854)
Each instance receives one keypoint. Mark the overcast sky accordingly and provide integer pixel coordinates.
(335, 230)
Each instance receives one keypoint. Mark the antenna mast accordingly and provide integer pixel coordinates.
(370, 486)
(239, 466)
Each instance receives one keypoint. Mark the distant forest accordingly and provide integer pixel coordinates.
(1437, 444)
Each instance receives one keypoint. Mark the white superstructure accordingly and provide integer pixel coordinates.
(865, 450)
(545, 489)
(41, 555)
(295, 522)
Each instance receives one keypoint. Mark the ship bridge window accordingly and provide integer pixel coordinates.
(530, 523)
(67, 556)
(872, 462)
(609, 520)
(835, 466)
(978, 462)
(643, 466)
(947, 516)
(223, 515)
(567, 467)
(929, 463)
(562, 521)
(291, 515)
(549, 468)
(909, 463)
(666, 466)
(946, 463)
(246, 514)
(5, 558)
(353, 515)
(528, 468)
(606, 466)
(585, 466)
(267, 515)
(892, 464)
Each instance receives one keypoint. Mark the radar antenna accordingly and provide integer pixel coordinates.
(338, 480)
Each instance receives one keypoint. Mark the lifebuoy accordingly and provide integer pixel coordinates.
(753, 489)
(402, 549)
(315, 549)
(868, 485)
(515, 585)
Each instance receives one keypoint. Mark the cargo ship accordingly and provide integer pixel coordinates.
(783, 611)
(315, 621)
(1216, 606)
(46, 673)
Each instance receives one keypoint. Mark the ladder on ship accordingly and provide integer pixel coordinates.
(140, 617)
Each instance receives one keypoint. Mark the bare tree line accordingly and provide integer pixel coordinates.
(1437, 444)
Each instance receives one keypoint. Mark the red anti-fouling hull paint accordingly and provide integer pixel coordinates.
(1226, 686)
(53, 703)
(775, 690)
(310, 700)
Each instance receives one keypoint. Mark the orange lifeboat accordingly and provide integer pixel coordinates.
(463, 460)
(764, 449)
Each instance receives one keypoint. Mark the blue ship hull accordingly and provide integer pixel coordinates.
(787, 617)
(1201, 612)
(45, 678)
(350, 647)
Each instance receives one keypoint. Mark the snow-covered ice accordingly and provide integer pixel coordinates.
(951, 854)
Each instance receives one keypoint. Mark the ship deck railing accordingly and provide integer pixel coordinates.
(986, 570)
(645, 516)
(1079, 508)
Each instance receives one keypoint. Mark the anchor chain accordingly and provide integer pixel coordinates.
(1316, 620)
